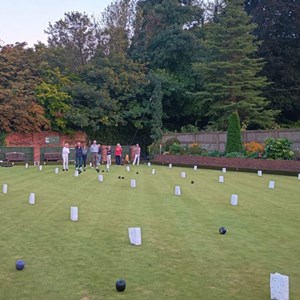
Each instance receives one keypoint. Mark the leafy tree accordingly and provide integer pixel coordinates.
(234, 141)
(74, 39)
(54, 99)
(279, 29)
(164, 38)
(19, 110)
(230, 72)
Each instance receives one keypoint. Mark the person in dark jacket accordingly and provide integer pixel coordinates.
(78, 156)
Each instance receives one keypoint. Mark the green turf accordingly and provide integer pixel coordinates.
(182, 255)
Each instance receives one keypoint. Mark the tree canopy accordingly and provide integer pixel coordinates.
(147, 66)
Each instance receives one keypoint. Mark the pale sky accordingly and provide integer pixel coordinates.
(26, 20)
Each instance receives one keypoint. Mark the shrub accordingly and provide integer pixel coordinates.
(215, 153)
(170, 142)
(195, 149)
(234, 141)
(175, 149)
(189, 128)
(278, 149)
(254, 149)
(235, 154)
(154, 148)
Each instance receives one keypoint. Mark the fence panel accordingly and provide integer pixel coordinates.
(28, 151)
(217, 140)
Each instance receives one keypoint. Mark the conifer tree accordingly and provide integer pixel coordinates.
(234, 141)
(230, 71)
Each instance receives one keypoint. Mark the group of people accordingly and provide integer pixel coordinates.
(81, 153)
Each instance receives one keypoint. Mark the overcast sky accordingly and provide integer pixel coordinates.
(26, 20)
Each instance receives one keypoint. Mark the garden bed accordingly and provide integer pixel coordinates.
(268, 165)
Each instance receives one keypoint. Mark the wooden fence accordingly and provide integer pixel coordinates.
(216, 140)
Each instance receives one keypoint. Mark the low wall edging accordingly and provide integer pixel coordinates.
(226, 162)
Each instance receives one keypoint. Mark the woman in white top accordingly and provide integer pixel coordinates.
(65, 157)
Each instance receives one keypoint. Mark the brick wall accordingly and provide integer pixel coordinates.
(38, 140)
(233, 163)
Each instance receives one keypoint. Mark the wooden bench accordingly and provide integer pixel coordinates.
(15, 156)
(52, 156)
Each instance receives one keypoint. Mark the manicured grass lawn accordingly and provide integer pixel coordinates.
(182, 255)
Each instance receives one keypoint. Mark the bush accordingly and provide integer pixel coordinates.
(235, 154)
(154, 148)
(278, 149)
(177, 149)
(234, 141)
(254, 149)
(195, 149)
(215, 153)
(170, 142)
(189, 128)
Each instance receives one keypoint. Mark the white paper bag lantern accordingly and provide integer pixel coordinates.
(100, 178)
(221, 179)
(91, 164)
(279, 286)
(128, 168)
(170, 166)
(177, 190)
(299, 176)
(41, 168)
(149, 164)
(26, 165)
(259, 173)
(74, 213)
(182, 174)
(195, 168)
(32, 198)
(271, 184)
(133, 183)
(76, 174)
(223, 170)
(135, 236)
(4, 188)
(153, 171)
(56, 170)
(234, 199)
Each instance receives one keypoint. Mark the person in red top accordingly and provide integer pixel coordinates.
(118, 154)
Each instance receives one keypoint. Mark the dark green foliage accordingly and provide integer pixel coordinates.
(230, 72)
(278, 149)
(279, 30)
(235, 154)
(234, 141)
(2, 138)
(170, 142)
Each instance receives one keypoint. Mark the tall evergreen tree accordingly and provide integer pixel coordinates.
(229, 71)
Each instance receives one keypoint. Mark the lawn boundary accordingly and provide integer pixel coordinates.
(248, 164)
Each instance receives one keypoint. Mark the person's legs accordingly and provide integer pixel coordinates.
(138, 159)
(64, 162)
(94, 159)
(76, 162)
(109, 159)
(67, 162)
(80, 163)
(135, 158)
(84, 161)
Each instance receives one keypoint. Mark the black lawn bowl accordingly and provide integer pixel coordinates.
(98, 170)
(222, 230)
(103, 171)
(192, 182)
(137, 173)
(123, 177)
(120, 285)
(119, 177)
(20, 264)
